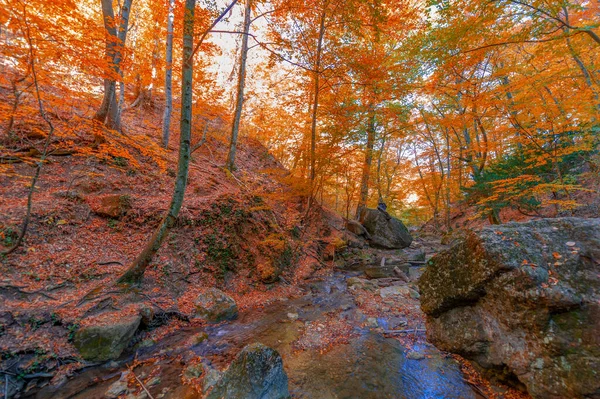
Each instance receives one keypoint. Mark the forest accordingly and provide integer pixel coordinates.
(300, 199)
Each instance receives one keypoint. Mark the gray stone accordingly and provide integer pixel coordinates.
(414, 273)
(385, 231)
(119, 387)
(106, 340)
(214, 305)
(256, 373)
(519, 300)
(413, 355)
(394, 290)
(361, 283)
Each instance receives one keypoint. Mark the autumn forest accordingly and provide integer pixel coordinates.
(299, 199)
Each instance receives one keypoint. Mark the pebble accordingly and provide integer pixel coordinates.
(292, 316)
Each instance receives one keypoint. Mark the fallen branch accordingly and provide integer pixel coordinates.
(141, 383)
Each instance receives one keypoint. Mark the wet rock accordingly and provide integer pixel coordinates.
(379, 271)
(520, 301)
(416, 255)
(394, 290)
(256, 373)
(385, 231)
(395, 322)
(292, 316)
(194, 371)
(414, 273)
(361, 284)
(413, 355)
(118, 388)
(215, 306)
(372, 322)
(105, 340)
(197, 339)
(401, 274)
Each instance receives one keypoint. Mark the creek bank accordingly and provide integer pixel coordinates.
(522, 300)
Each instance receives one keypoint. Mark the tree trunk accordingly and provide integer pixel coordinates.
(136, 270)
(108, 113)
(315, 107)
(364, 185)
(168, 77)
(239, 102)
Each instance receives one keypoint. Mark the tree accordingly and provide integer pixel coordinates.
(108, 113)
(135, 272)
(239, 101)
(168, 77)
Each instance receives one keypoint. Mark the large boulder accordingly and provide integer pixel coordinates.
(214, 305)
(256, 373)
(523, 302)
(110, 205)
(385, 231)
(105, 340)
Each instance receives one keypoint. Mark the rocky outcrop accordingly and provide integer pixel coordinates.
(523, 301)
(99, 342)
(256, 373)
(214, 305)
(385, 231)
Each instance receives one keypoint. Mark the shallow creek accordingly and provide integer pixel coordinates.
(365, 364)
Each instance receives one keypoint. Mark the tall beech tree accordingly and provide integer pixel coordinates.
(135, 272)
(166, 128)
(115, 37)
(239, 98)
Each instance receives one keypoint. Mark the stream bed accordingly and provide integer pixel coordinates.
(330, 349)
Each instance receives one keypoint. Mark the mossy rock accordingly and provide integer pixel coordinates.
(107, 340)
(256, 373)
(214, 305)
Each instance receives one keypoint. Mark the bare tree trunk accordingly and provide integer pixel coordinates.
(108, 113)
(136, 270)
(364, 185)
(239, 102)
(168, 77)
(315, 107)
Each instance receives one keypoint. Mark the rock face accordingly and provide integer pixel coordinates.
(105, 341)
(256, 373)
(384, 230)
(523, 301)
(356, 228)
(215, 306)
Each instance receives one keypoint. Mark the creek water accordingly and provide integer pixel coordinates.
(365, 364)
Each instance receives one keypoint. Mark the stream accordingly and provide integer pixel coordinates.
(356, 362)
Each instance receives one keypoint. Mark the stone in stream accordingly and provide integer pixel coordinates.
(385, 231)
(361, 284)
(214, 305)
(415, 273)
(522, 302)
(256, 373)
(106, 340)
(118, 387)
